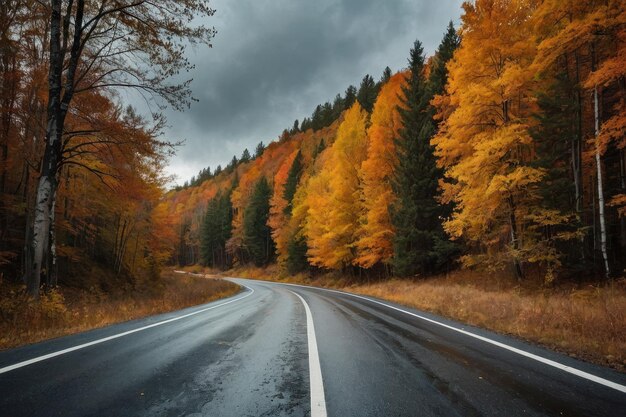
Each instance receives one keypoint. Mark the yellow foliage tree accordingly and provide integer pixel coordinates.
(333, 195)
(484, 144)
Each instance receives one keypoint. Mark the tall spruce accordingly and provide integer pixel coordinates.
(293, 177)
(367, 93)
(257, 234)
(420, 244)
(216, 230)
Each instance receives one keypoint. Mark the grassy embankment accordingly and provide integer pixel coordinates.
(70, 310)
(587, 321)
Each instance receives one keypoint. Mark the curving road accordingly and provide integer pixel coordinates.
(283, 350)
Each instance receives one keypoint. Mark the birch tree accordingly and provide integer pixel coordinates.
(107, 44)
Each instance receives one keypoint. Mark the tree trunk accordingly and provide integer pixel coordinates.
(515, 240)
(47, 187)
(601, 216)
(52, 249)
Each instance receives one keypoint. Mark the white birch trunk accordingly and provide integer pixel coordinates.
(601, 216)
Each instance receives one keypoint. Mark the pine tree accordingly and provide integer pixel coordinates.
(349, 97)
(260, 148)
(293, 177)
(257, 234)
(367, 93)
(338, 106)
(245, 156)
(420, 244)
(386, 76)
(216, 229)
(296, 255)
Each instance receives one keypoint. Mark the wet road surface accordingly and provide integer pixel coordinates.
(284, 350)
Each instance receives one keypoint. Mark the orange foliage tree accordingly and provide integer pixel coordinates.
(375, 231)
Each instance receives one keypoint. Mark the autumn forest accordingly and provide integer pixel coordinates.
(504, 151)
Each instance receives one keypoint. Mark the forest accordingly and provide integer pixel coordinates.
(81, 172)
(503, 151)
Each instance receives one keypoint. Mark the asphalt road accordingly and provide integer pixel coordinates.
(278, 350)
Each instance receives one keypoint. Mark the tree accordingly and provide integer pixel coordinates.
(278, 219)
(420, 244)
(257, 234)
(245, 156)
(349, 97)
(375, 243)
(386, 76)
(484, 142)
(367, 93)
(216, 230)
(293, 177)
(259, 150)
(332, 199)
(85, 54)
(232, 165)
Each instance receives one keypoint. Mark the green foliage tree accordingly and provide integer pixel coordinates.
(293, 177)
(386, 76)
(420, 243)
(260, 148)
(349, 97)
(367, 93)
(296, 255)
(245, 156)
(257, 234)
(216, 230)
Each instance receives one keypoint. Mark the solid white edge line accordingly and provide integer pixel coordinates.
(318, 401)
(115, 336)
(569, 369)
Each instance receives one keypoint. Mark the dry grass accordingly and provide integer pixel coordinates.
(584, 321)
(64, 312)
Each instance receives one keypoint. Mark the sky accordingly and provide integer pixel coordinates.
(273, 61)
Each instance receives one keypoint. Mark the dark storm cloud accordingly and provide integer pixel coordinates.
(274, 60)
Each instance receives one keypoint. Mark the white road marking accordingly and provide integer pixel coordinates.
(318, 402)
(549, 362)
(115, 336)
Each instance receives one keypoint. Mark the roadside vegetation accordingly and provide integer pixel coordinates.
(64, 311)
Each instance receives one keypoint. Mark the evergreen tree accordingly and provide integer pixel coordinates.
(245, 156)
(319, 148)
(386, 76)
(439, 73)
(257, 234)
(293, 177)
(305, 125)
(218, 171)
(350, 97)
(232, 164)
(260, 148)
(316, 118)
(420, 243)
(338, 106)
(296, 255)
(216, 230)
(327, 115)
(296, 127)
(367, 93)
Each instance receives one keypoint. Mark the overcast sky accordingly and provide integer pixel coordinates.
(273, 61)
